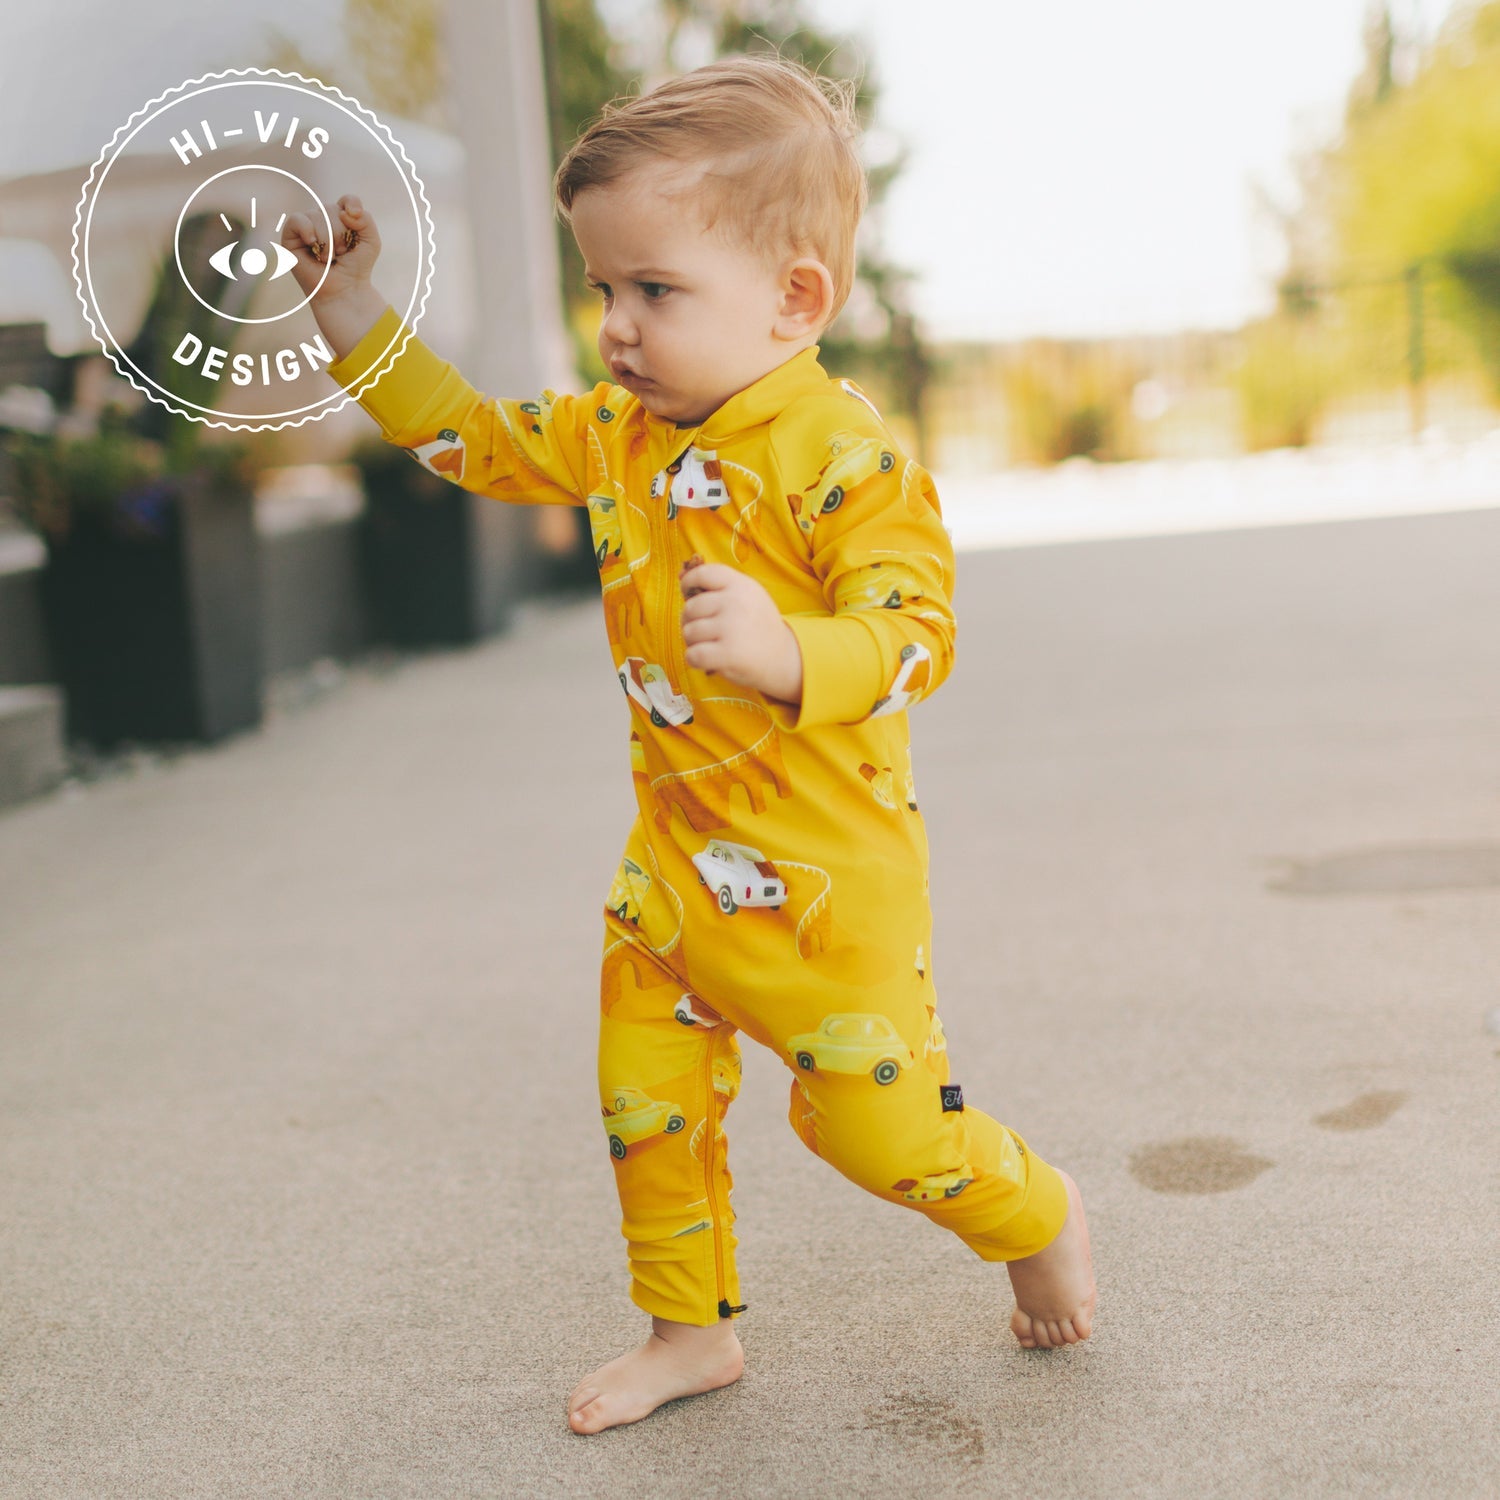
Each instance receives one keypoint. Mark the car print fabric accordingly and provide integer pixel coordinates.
(775, 880)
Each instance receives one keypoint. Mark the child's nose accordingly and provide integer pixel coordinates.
(618, 327)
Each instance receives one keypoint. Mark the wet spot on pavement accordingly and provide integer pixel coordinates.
(1196, 1164)
(1365, 1112)
(1392, 871)
(931, 1422)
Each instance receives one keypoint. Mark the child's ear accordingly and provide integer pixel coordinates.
(806, 299)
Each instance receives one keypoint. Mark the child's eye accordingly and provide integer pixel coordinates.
(653, 291)
(602, 288)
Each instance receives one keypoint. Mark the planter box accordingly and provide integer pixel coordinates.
(154, 619)
(441, 564)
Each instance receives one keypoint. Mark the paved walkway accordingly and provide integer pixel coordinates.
(302, 1189)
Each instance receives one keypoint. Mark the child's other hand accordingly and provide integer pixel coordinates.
(356, 244)
(730, 624)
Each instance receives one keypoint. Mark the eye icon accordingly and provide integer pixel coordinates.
(252, 260)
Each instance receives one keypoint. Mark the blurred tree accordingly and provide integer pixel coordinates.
(1416, 178)
(395, 64)
(395, 58)
(1377, 78)
(175, 310)
(582, 76)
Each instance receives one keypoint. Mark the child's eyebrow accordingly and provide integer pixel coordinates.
(646, 273)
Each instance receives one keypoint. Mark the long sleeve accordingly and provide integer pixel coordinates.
(884, 559)
(533, 452)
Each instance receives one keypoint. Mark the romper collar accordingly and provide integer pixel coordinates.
(768, 397)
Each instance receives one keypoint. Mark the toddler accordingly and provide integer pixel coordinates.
(776, 584)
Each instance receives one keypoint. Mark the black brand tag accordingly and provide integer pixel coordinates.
(953, 1097)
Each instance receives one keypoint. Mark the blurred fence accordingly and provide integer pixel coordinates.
(1361, 362)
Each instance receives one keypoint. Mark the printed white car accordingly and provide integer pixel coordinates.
(646, 684)
(697, 483)
(912, 676)
(444, 456)
(692, 1011)
(739, 876)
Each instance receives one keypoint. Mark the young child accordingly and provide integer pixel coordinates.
(776, 585)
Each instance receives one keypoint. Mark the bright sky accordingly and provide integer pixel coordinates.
(1076, 166)
(1086, 166)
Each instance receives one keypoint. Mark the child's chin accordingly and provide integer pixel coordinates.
(669, 410)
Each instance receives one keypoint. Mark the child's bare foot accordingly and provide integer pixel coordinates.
(1054, 1288)
(678, 1359)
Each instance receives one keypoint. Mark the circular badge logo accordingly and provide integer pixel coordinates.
(178, 254)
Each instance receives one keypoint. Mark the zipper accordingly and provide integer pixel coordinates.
(710, 1155)
(672, 648)
(670, 593)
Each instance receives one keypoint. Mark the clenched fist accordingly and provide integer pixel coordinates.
(730, 624)
(356, 244)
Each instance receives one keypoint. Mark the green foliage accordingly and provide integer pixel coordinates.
(115, 478)
(396, 51)
(1417, 176)
(1068, 401)
(582, 77)
(1284, 381)
(173, 311)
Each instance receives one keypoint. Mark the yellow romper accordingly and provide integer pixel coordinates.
(775, 880)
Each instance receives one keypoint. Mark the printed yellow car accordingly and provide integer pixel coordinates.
(935, 1185)
(630, 886)
(882, 786)
(636, 1117)
(727, 1076)
(851, 460)
(853, 1043)
(879, 585)
(604, 526)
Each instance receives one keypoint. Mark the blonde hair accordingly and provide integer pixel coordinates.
(778, 148)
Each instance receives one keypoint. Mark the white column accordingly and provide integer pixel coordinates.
(518, 343)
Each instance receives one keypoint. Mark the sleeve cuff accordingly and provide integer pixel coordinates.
(841, 672)
(403, 387)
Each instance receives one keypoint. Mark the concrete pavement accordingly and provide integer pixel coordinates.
(302, 1189)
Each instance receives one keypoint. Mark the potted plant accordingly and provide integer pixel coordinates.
(151, 596)
(415, 550)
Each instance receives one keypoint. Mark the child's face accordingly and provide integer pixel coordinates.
(690, 317)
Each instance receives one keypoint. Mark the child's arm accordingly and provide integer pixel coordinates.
(884, 559)
(533, 451)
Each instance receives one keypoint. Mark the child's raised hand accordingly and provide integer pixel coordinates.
(730, 624)
(356, 244)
